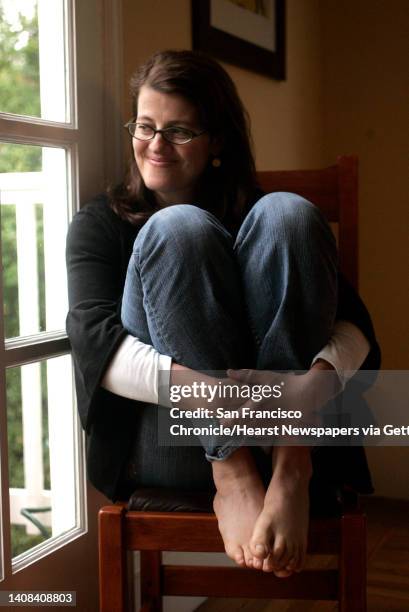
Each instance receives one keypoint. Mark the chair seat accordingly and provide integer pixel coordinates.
(170, 500)
(325, 501)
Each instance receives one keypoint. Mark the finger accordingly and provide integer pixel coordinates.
(238, 417)
(242, 375)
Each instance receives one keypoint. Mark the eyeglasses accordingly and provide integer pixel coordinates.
(174, 135)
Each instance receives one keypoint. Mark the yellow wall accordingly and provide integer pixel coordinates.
(366, 86)
(344, 93)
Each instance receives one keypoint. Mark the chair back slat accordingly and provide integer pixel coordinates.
(318, 186)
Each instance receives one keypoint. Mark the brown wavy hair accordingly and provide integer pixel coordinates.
(225, 190)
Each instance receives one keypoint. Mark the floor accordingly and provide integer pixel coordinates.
(388, 567)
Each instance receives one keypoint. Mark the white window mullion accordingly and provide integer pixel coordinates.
(32, 434)
(27, 265)
(55, 215)
(62, 438)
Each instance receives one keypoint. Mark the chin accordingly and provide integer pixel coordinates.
(157, 186)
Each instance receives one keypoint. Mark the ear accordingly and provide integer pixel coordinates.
(216, 145)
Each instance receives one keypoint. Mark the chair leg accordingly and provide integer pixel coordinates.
(352, 563)
(112, 561)
(151, 582)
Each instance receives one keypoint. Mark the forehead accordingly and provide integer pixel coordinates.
(165, 107)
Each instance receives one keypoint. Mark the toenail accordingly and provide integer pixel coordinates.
(260, 548)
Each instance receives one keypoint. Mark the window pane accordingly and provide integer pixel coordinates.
(32, 66)
(41, 451)
(34, 221)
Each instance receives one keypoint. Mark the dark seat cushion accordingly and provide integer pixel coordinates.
(324, 500)
(170, 500)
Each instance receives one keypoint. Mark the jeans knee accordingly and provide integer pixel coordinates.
(290, 207)
(183, 226)
(290, 214)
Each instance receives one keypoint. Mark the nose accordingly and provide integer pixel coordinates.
(158, 142)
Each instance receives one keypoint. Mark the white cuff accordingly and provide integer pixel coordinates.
(346, 350)
(133, 371)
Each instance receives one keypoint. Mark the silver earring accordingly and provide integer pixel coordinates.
(216, 162)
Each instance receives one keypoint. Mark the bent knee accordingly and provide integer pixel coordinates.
(180, 224)
(289, 210)
(183, 217)
(284, 203)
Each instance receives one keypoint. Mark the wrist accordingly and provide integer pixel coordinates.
(322, 364)
(323, 383)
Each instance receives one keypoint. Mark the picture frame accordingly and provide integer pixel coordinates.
(240, 36)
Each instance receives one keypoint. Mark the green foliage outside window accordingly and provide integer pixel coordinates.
(20, 94)
(19, 74)
(19, 85)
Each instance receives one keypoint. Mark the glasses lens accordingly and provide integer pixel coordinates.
(177, 135)
(141, 131)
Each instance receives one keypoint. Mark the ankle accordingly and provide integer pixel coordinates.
(293, 462)
(239, 465)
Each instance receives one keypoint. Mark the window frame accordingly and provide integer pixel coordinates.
(78, 144)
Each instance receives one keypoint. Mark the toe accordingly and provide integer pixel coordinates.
(248, 557)
(292, 557)
(239, 559)
(236, 553)
(258, 563)
(287, 557)
(279, 553)
(259, 549)
(292, 563)
(261, 538)
(268, 564)
(301, 559)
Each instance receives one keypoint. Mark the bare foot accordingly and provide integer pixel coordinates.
(238, 503)
(279, 538)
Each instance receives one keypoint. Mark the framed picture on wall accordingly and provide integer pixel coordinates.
(247, 33)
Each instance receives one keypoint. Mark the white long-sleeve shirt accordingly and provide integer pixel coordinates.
(134, 370)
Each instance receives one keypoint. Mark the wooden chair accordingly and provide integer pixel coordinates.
(334, 190)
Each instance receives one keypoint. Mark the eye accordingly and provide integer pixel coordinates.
(175, 131)
(178, 135)
(143, 129)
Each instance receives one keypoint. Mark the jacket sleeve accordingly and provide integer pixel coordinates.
(351, 308)
(95, 284)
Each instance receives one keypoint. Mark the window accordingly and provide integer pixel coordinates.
(38, 193)
(60, 141)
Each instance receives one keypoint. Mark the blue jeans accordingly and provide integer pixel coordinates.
(266, 300)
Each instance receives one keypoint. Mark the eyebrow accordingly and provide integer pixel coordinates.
(168, 123)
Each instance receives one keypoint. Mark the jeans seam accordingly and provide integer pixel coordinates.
(153, 315)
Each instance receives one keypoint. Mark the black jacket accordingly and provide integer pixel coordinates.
(99, 245)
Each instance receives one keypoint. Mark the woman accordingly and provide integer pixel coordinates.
(219, 278)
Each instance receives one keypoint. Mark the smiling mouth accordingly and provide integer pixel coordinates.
(160, 162)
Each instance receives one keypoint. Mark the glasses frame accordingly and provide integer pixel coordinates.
(162, 131)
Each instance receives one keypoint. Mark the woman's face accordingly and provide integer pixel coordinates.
(171, 171)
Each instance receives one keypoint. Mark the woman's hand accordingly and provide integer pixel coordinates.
(294, 394)
(237, 398)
